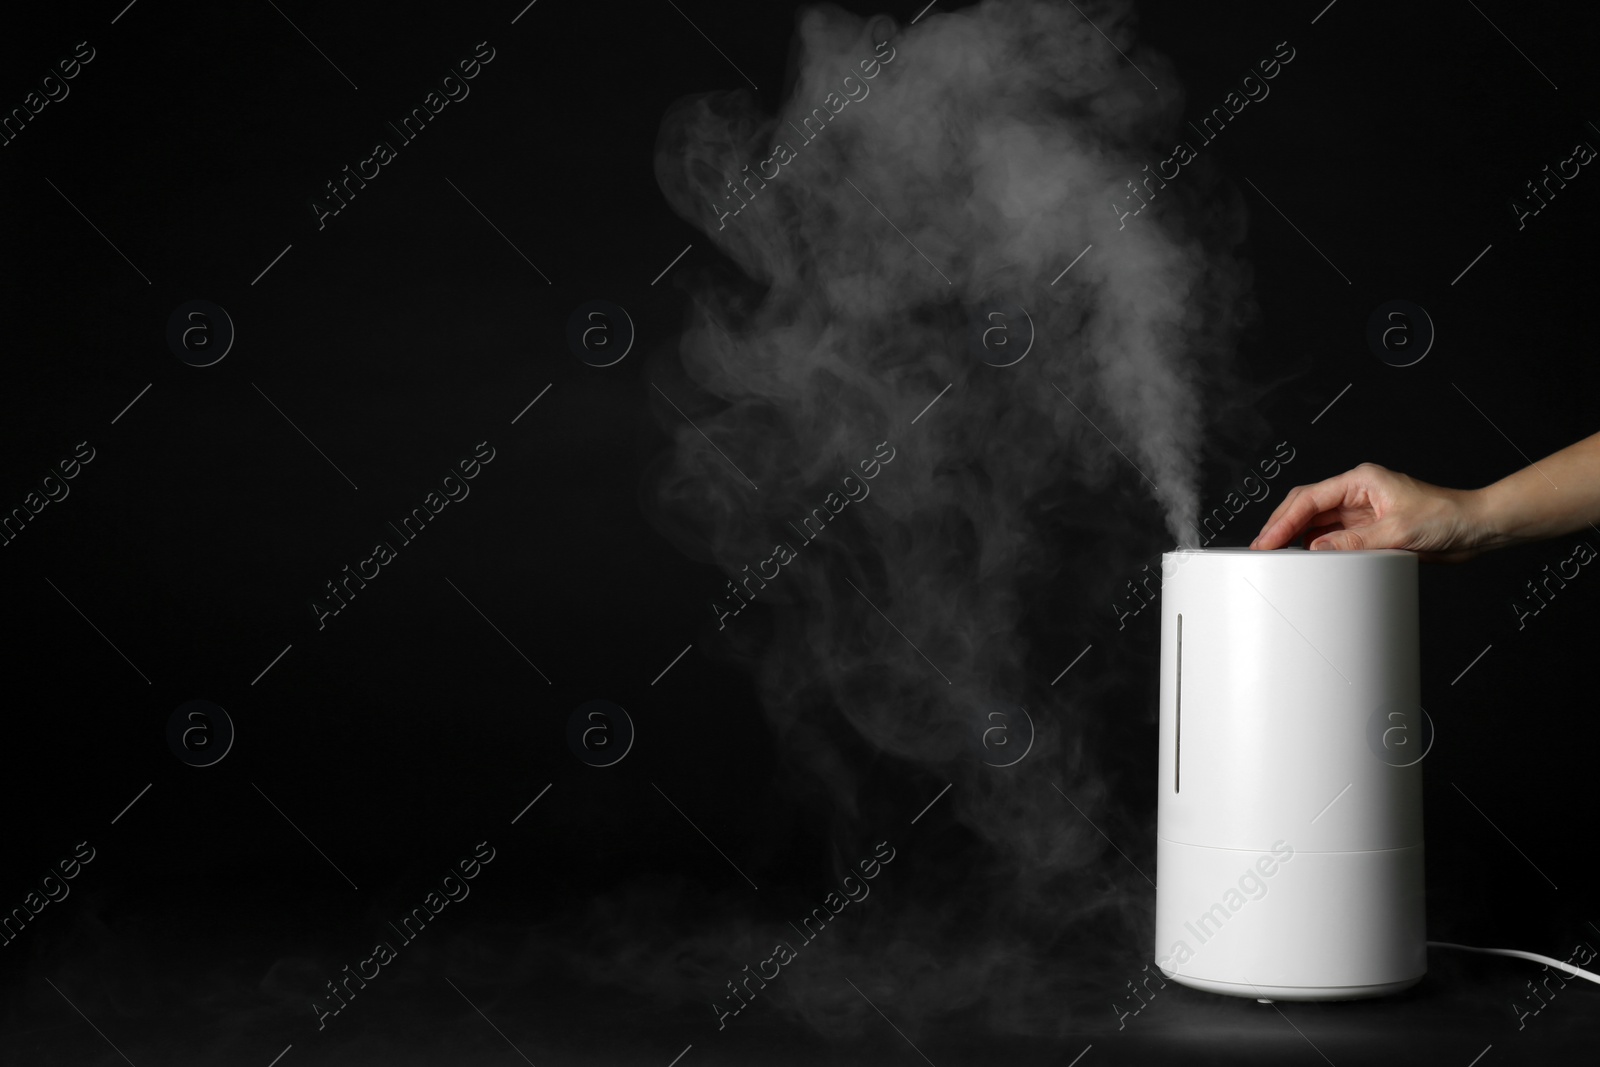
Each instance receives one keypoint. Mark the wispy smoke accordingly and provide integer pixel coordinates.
(992, 149)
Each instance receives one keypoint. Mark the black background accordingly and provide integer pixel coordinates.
(407, 730)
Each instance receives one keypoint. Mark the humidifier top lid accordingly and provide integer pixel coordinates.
(1291, 551)
(1295, 558)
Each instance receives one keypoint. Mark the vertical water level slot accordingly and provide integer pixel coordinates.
(1177, 726)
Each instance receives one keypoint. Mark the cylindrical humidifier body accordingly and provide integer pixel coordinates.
(1289, 858)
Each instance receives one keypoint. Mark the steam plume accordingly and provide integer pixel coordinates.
(992, 148)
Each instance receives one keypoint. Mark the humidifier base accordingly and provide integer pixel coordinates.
(1268, 993)
(1290, 925)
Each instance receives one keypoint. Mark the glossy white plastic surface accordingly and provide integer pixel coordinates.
(1289, 851)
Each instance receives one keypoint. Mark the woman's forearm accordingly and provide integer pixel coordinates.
(1554, 496)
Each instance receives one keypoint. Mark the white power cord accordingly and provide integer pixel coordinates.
(1576, 972)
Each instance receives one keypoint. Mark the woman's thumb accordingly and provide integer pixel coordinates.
(1378, 535)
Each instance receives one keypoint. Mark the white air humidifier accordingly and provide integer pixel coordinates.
(1289, 858)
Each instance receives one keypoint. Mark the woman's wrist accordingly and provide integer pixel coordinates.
(1557, 495)
(1488, 517)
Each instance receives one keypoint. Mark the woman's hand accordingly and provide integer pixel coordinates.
(1373, 507)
